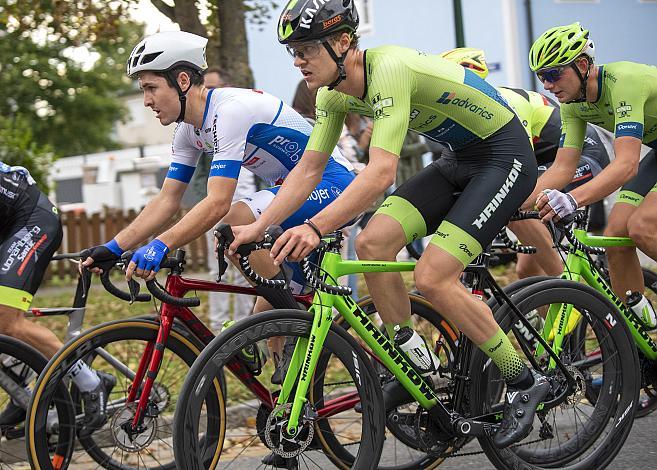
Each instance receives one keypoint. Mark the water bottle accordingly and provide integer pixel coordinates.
(642, 308)
(416, 350)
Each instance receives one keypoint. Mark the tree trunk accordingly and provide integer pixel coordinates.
(227, 50)
(234, 44)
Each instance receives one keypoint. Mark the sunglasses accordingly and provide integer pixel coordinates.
(307, 50)
(551, 75)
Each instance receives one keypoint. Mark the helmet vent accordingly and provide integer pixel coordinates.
(150, 57)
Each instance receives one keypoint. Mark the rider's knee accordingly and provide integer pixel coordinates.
(10, 324)
(429, 281)
(641, 232)
(372, 244)
(616, 227)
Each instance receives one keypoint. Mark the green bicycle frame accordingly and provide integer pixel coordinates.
(307, 351)
(579, 267)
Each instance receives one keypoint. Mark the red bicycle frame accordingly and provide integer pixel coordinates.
(150, 362)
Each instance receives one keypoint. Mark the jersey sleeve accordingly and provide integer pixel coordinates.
(330, 111)
(628, 97)
(230, 127)
(184, 156)
(573, 128)
(390, 93)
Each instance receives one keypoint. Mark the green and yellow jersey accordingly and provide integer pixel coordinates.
(626, 105)
(408, 89)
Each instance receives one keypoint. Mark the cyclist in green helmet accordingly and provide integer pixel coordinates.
(465, 197)
(622, 98)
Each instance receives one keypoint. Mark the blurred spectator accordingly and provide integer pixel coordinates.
(212, 78)
(304, 101)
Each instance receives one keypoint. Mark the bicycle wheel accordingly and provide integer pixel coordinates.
(254, 430)
(576, 434)
(117, 348)
(20, 364)
(648, 396)
(402, 449)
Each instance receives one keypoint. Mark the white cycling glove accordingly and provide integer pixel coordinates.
(563, 204)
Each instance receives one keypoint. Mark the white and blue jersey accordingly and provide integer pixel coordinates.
(257, 131)
(250, 129)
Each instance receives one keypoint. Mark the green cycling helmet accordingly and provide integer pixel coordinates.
(560, 46)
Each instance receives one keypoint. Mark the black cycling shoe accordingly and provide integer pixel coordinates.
(519, 410)
(276, 461)
(283, 364)
(12, 415)
(95, 404)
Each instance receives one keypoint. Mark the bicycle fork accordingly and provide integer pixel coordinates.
(149, 366)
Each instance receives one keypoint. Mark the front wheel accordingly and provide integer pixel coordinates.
(576, 434)
(117, 348)
(256, 429)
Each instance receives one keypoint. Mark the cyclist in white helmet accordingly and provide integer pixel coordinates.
(238, 128)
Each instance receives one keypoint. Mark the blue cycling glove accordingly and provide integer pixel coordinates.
(149, 257)
(114, 247)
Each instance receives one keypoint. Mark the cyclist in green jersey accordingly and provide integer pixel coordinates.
(540, 117)
(622, 98)
(465, 197)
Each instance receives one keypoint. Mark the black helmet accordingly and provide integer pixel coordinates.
(305, 20)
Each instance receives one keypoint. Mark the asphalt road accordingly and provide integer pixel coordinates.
(639, 452)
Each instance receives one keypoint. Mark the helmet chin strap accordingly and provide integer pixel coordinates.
(583, 80)
(182, 96)
(339, 61)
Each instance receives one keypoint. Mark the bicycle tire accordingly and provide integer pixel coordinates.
(31, 358)
(619, 379)
(124, 336)
(278, 323)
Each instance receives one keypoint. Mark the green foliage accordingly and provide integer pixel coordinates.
(69, 104)
(17, 147)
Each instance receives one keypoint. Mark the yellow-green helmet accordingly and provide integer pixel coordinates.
(560, 46)
(468, 57)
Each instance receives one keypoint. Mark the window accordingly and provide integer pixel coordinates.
(577, 1)
(366, 17)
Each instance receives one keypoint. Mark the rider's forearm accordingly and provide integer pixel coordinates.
(366, 188)
(296, 188)
(615, 175)
(205, 215)
(149, 221)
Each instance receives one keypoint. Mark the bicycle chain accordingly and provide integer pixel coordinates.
(457, 454)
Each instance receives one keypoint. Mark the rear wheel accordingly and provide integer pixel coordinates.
(575, 434)
(117, 348)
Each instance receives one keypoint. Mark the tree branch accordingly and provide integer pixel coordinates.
(165, 9)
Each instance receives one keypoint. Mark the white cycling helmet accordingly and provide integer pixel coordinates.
(165, 51)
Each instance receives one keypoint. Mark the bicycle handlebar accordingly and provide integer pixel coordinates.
(133, 286)
(225, 236)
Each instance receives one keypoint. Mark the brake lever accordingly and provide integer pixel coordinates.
(133, 287)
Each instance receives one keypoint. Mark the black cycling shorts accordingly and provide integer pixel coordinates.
(466, 197)
(28, 241)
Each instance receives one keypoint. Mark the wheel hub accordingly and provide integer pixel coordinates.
(123, 434)
(277, 437)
